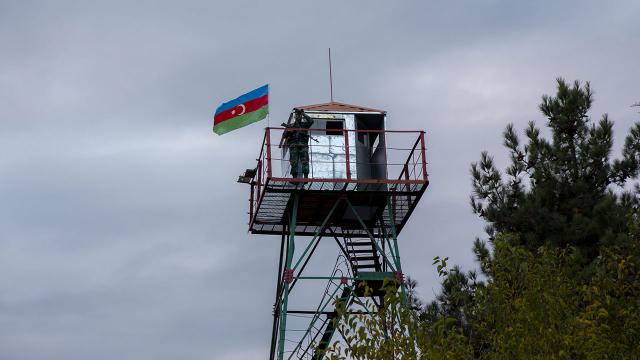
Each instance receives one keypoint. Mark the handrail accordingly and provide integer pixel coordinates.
(406, 163)
(392, 167)
(264, 139)
(414, 157)
(349, 130)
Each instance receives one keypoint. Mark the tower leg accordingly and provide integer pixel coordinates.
(289, 259)
(276, 305)
(393, 246)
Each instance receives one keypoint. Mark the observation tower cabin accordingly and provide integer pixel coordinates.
(366, 177)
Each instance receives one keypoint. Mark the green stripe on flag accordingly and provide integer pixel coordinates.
(241, 121)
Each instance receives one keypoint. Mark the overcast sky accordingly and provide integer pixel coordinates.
(122, 230)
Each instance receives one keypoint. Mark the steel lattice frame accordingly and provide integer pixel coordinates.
(386, 246)
(327, 209)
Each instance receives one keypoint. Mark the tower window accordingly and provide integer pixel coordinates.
(335, 127)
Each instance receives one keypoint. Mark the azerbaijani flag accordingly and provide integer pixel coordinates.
(242, 111)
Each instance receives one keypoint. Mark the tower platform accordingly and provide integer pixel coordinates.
(383, 187)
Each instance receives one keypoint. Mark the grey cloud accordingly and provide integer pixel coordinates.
(122, 231)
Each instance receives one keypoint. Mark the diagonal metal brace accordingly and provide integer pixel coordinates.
(317, 236)
(373, 240)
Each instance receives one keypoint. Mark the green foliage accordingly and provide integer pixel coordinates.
(532, 308)
(456, 301)
(535, 308)
(396, 332)
(442, 265)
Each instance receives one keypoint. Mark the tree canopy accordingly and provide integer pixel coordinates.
(559, 191)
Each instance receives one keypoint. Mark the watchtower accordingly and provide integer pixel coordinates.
(362, 185)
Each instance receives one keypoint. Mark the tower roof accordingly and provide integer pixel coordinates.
(335, 106)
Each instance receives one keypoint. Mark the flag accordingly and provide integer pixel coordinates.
(242, 111)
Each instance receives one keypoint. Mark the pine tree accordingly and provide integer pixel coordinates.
(559, 192)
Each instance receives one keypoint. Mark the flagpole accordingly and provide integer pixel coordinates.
(269, 113)
(330, 76)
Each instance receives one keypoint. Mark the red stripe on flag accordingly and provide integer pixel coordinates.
(249, 106)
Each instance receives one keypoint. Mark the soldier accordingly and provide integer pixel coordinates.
(298, 142)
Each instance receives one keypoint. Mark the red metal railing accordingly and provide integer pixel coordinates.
(338, 157)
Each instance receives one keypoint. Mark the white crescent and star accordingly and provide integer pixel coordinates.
(244, 108)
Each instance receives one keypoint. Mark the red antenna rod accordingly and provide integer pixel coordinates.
(330, 76)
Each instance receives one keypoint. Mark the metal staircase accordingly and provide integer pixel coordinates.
(362, 255)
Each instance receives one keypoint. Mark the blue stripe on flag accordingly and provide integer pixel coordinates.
(259, 92)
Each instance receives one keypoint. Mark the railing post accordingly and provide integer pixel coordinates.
(251, 203)
(260, 163)
(425, 176)
(346, 146)
(268, 135)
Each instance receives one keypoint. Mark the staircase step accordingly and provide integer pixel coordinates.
(360, 244)
(360, 251)
(364, 258)
(365, 266)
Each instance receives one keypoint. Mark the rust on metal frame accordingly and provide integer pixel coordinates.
(350, 181)
(268, 141)
(425, 175)
(348, 130)
(346, 149)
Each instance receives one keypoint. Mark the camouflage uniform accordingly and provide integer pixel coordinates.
(298, 143)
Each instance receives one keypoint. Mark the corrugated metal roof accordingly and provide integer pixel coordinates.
(339, 107)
